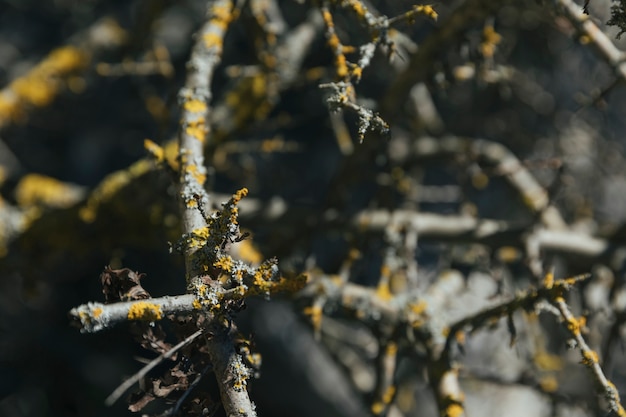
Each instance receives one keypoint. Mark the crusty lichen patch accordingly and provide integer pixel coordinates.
(145, 311)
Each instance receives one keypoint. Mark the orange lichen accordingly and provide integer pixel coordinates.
(145, 311)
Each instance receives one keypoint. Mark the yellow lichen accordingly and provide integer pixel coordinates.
(589, 357)
(383, 292)
(195, 106)
(491, 39)
(195, 172)
(110, 186)
(40, 190)
(315, 314)
(377, 407)
(388, 394)
(42, 83)
(145, 311)
(419, 307)
(97, 312)
(197, 129)
(548, 280)
(155, 150)
(212, 40)
(454, 410)
(426, 10)
(549, 383)
(248, 253)
(548, 362)
(225, 263)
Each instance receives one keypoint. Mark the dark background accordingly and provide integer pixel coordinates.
(539, 104)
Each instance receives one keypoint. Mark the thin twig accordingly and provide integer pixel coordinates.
(119, 391)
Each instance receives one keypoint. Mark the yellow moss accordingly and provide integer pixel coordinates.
(145, 311)
(35, 189)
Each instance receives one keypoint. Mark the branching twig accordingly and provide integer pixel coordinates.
(119, 391)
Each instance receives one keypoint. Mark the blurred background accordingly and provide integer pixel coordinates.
(85, 82)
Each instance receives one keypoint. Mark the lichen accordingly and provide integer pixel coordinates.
(145, 311)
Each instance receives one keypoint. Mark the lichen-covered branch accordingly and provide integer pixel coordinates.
(60, 70)
(194, 101)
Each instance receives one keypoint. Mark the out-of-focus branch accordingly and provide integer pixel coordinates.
(589, 356)
(421, 63)
(593, 35)
(58, 71)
